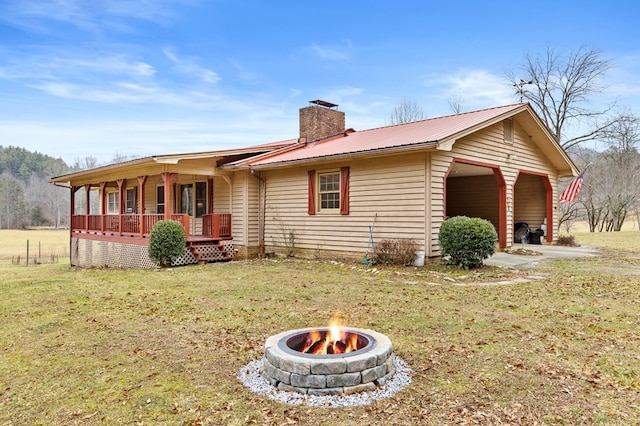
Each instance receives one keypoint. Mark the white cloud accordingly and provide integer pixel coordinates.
(191, 67)
(89, 15)
(58, 65)
(331, 52)
(624, 80)
(477, 88)
(117, 92)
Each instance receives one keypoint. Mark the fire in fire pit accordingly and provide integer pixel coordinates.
(335, 340)
(333, 360)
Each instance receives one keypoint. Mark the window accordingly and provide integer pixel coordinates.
(201, 198)
(189, 203)
(329, 190)
(130, 202)
(332, 191)
(113, 203)
(160, 199)
(186, 199)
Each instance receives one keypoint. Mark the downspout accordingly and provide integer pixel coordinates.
(262, 207)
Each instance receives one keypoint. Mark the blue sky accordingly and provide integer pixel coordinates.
(133, 78)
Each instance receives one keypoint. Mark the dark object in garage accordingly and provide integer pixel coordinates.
(535, 237)
(521, 232)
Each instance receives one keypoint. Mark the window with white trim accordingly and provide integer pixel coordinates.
(329, 191)
(113, 202)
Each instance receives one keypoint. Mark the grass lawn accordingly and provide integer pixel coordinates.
(104, 346)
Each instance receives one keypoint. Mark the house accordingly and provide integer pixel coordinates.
(324, 191)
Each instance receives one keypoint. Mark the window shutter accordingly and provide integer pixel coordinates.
(311, 209)
(344, 190)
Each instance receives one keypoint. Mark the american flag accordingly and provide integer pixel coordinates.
(571, 193)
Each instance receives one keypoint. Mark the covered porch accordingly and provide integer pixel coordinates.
(124, 211)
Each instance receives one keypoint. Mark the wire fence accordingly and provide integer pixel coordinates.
(35, 256)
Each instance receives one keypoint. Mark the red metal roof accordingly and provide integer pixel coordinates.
(433, 130)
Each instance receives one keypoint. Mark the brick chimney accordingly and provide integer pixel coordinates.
(320, 120)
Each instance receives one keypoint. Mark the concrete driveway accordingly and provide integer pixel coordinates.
(506, 260)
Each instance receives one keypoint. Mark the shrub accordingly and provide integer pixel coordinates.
(467, 241)
(567, 240)
(401, 252)
(167, 242)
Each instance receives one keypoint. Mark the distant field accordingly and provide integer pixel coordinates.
(582, 227)
(13, 242)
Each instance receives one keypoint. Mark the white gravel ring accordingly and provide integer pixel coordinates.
(251, 376)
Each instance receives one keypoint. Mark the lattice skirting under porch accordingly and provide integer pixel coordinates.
(99, 254)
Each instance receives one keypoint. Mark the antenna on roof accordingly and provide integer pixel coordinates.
(520, 87)
(324, 103)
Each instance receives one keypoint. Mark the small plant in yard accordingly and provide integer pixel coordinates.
(467, 241)
(400, 252)
(287, 240)
(167, 242)
(567, 240)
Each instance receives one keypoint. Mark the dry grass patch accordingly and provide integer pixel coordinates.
(107, 346)
(104, 346)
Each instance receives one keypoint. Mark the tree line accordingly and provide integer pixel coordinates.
(27, 199)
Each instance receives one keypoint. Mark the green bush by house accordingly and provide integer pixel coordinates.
(467, 241)
(167, 242)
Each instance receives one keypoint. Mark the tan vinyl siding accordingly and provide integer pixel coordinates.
(150, 189)
(389, 192)
(150, 196)
(473, 196)
(221, 195)
(529, 201)
(238, 209)
(253, 210)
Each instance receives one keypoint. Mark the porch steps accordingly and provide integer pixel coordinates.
(209, 251)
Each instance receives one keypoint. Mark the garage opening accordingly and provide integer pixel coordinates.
(532, 206)
(477, 190)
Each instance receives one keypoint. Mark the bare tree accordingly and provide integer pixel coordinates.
(610, 191)
(119, 157)
(85, 163)
(456, 102)
(623, 183)
(561, 87)
(568, 214)
(406, 111)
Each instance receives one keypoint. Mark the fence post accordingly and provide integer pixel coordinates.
(27, 252)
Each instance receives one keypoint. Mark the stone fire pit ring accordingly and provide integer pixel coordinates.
(363, 370)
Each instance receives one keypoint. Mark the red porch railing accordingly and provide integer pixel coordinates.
(216, 225)
(213, 225)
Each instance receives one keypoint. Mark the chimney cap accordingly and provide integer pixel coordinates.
(323, 103)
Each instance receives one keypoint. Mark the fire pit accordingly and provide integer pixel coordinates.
(333, 360)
